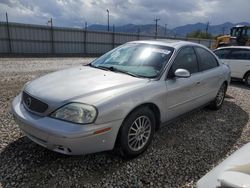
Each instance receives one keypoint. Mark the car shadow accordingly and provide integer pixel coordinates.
(181, 152)
(239, 84)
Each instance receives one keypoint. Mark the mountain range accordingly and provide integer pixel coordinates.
(149, 29)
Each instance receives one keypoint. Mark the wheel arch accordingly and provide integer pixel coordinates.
(153, 107)
(226, 82)
(244, 77)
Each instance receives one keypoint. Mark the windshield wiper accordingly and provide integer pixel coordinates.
(129, 73)
(122, 71)
(113, 69)
(107, 68)
(98, 67)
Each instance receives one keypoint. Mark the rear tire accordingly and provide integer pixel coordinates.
(136, 132)
(247, 79)
(218, 101)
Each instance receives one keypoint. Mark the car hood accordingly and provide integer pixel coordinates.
(81, 82)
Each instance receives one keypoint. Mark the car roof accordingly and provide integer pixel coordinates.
(234, 47)
(168, 42)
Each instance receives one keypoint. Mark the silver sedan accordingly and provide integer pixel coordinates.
(120, 99)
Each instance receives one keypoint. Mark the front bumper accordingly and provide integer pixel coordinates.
(64, 137)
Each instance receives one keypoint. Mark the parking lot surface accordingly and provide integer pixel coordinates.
(179, 155)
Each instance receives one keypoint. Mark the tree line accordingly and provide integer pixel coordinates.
(200, 34)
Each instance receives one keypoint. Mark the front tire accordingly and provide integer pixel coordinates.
(137, 132)
(247, 79)
(219, 99)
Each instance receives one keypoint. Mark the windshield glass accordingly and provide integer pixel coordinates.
(142, 60)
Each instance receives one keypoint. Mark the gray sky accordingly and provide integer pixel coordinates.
(172, 12)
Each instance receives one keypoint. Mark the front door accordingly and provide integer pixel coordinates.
(181, 91)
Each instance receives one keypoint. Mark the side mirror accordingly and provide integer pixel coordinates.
(182, 73)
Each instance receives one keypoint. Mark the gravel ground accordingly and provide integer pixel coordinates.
(179, 155)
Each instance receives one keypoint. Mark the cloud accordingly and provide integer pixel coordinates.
(173, 13)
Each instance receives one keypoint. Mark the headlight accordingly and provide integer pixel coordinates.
(76, 113)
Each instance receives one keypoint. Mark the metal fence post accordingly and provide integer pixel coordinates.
(138, 34)
(8, 32)
(85, 39)
(113, 37)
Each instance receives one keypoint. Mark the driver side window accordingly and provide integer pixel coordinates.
(186, 59)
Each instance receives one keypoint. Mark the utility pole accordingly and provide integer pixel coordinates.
(86, 25)
(139, 30)
(108, 18)
(52, 35)
(165, 32)
(207, 28)
(8, 32)
(156, 26)
(223, 30)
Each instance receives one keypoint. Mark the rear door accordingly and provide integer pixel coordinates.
(211, 76)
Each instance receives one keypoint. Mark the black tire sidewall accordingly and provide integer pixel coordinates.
(225, 89)
(214, 105)
(125, 129)
(246, 77)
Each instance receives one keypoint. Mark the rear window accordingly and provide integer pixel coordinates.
(223, 53)
(240, 54)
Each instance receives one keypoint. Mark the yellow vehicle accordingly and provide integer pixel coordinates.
(239, 36)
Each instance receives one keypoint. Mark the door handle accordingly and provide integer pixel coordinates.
(198, 82)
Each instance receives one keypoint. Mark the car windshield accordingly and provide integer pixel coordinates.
(135, 59)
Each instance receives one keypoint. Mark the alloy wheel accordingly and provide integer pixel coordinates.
(220, 96)
(139, 133)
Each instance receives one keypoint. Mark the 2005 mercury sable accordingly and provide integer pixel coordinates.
(121, 98)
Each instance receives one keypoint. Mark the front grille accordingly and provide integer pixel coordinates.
(34, 104)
